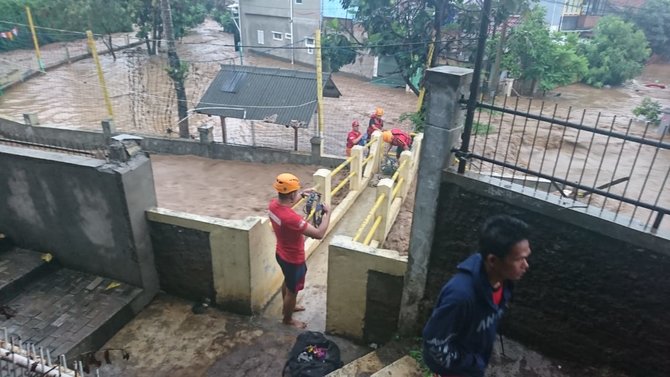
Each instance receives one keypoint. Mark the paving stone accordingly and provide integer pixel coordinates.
(61, 310)
(17, 265)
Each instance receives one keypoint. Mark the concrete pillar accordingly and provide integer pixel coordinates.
(316, 150)
(206, 135)
(356, 168)
(405, 172)
(445, 86)
(377, 148)
(108, 129)
(30, 119)
(323, 181)
(224, 135)
(384, 187)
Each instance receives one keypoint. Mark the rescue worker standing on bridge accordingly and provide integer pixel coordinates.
(353, 137)
(376, 122)
(290, 230)
(459, 336)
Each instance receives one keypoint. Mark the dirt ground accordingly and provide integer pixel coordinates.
(224, 189)
(398, 238)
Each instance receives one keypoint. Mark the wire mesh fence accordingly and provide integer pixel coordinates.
(143, 97)
(592, 158)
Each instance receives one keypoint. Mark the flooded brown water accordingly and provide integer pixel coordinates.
(144, 102)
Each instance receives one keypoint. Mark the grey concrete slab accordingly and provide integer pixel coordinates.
(67, 308)
(17, 266)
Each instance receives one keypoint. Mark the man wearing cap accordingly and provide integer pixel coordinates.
(353, 137)
(290, 230)
(376, 122)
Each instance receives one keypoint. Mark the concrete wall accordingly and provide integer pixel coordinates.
(596, 292)
(257, 15)
(354, 271)
(210, 257)
(86, 212)
(166, 145)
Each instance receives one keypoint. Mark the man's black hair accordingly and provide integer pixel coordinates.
(499, 234)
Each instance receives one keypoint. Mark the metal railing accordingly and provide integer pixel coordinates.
(589, 157)
(69, 147)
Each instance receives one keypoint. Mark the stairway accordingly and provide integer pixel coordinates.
(63, 311)
(390, 360)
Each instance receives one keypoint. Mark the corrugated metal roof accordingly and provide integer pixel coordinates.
(273, 95)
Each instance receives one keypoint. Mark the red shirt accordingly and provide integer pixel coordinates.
(351, 136)
(400, 138)
(288, 227)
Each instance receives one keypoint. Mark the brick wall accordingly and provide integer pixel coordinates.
(593, 295)
(183, 260)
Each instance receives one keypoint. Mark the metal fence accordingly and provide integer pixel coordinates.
(599, 162)
(67, 147)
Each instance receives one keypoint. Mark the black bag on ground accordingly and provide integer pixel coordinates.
(312, 355)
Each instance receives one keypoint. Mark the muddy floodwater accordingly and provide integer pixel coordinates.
(143, 101)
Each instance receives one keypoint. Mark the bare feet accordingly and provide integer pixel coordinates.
(299, 308)
(295, 323)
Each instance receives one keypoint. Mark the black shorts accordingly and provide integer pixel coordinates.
(294, 274)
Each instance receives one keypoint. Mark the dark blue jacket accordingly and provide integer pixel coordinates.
(459, 335)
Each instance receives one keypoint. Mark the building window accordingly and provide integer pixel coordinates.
(298, 1)
(277, 36)
(288, 36)
(309, 43)
(261, 37)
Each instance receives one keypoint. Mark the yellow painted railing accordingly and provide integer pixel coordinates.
(397, 187)
(388, 191)
(368, 238)
(367, 219)
(342, 165)
(397, 172)
(341, 184)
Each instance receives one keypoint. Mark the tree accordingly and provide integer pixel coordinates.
(616, 53)
(540, 57)
(147, 16)
(653, 18)
(336, 49)
(177, 70)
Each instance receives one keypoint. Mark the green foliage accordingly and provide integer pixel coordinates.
(337, 51)
(99, 16)
(616, 53)
(650, 110)
(536, 54)
(418, 119)
(479, 128)
(653, 18)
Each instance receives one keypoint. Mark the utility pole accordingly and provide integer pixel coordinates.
(177, 72)
(494, 78)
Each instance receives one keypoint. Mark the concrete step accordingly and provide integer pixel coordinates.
(18, 267)
(362, 367)
(69, 312)
(404, 367)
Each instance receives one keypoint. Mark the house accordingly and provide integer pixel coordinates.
(283, 29)
(286, 30)
(583, 15)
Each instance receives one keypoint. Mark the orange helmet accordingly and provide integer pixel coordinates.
(379, 112)
(387, 136)
(355, 123)
(286, 183)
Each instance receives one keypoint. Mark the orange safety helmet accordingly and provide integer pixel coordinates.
(286, 183)
(387, 136)
(379, 112)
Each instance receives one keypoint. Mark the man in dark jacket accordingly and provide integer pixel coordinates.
(459, 336)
